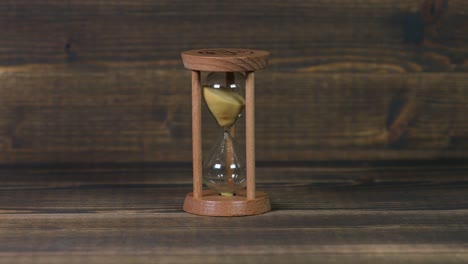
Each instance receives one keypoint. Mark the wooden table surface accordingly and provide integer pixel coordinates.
(323, 214)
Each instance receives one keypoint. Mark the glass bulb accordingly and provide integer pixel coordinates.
(231, 80)
(224, 168)
(222, 96)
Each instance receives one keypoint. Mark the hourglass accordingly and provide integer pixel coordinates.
(229, 176)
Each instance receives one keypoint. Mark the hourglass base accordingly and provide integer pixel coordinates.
(213, 204)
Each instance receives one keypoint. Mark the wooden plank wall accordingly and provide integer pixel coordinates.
(102, 81)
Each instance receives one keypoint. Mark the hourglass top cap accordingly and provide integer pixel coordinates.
(225, 60)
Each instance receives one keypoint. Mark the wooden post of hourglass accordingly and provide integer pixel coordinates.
(208, 202)
(250, 133)
(196, 134)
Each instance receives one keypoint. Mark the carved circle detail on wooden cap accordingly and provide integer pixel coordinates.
(225, 59)
(225, 52)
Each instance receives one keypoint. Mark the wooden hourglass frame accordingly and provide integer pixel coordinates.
(209, 202)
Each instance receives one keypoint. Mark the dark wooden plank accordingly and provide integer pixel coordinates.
(136, 114)
(92, 81)
(388, 35)
(163, 190)
(95, 81)
(321, 214)
(180, 236)
(360, 255)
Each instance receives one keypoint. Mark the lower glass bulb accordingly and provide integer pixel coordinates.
(224, 168)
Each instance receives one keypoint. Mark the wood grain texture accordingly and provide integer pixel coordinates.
(250, 134)
(342, 35)
(161, 190)
(225, 60)
(123, 114)
(320, 215)
(99, 81)
(197, 153)
(213, 204)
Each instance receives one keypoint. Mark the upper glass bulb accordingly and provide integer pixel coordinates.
(221, 93)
